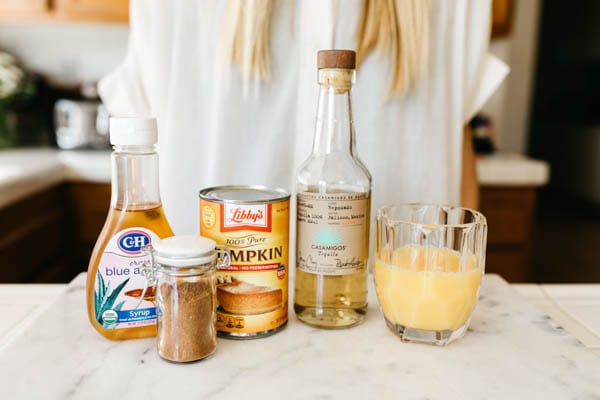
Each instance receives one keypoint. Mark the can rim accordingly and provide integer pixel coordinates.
(283, 194)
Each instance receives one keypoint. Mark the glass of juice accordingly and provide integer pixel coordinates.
(429, 261)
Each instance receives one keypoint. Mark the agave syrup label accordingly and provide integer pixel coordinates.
(119, 282)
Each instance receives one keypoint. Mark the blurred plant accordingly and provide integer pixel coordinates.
(15, 86)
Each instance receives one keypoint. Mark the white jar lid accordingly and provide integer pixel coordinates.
(184, 251)
(133, 131)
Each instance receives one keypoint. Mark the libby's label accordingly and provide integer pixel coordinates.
(235, 217)
(119, 282)
(332, 232)
(253, 291)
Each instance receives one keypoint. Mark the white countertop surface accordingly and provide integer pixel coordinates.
(509, 169)
(513, 350)
(26, 171)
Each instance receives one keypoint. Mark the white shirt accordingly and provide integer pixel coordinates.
(210, 134)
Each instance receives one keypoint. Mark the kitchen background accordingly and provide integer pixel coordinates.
(540, 185)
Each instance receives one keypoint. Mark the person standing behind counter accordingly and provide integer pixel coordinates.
(232, 85)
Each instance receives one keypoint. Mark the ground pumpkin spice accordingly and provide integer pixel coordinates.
(186, 330)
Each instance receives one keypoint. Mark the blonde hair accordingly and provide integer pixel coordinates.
(399, 27)
(247, 27)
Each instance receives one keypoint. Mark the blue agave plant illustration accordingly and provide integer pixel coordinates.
(104, 299)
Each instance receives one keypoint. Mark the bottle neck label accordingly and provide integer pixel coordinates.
(337, 79)
(332, 232)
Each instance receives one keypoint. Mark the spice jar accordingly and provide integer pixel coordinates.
(183, 270)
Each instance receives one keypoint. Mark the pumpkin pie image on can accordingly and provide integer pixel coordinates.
(253, 222)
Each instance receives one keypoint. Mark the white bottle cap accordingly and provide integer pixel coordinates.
(184, 251)
(126, 131)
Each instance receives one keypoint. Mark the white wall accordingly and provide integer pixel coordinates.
(66, 53)
(511, 104)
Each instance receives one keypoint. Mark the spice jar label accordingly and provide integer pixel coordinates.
(119, 282)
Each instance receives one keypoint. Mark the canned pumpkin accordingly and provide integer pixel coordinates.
(253, 222)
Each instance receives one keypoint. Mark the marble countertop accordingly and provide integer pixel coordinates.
(513, 350)
(26, 171)
(510, 169)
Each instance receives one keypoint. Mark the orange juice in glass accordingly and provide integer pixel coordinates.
(429, 261)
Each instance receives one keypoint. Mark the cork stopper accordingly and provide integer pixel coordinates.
(342, 59)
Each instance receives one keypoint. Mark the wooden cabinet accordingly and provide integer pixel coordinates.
(502, 15)
(64, 10)
(23, 9)
(89, 204)
(34, 237)
(49, 237)
(509, 212)
(92, 10)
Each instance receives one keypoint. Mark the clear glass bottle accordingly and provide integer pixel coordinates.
(135, 219)
(333, 208)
